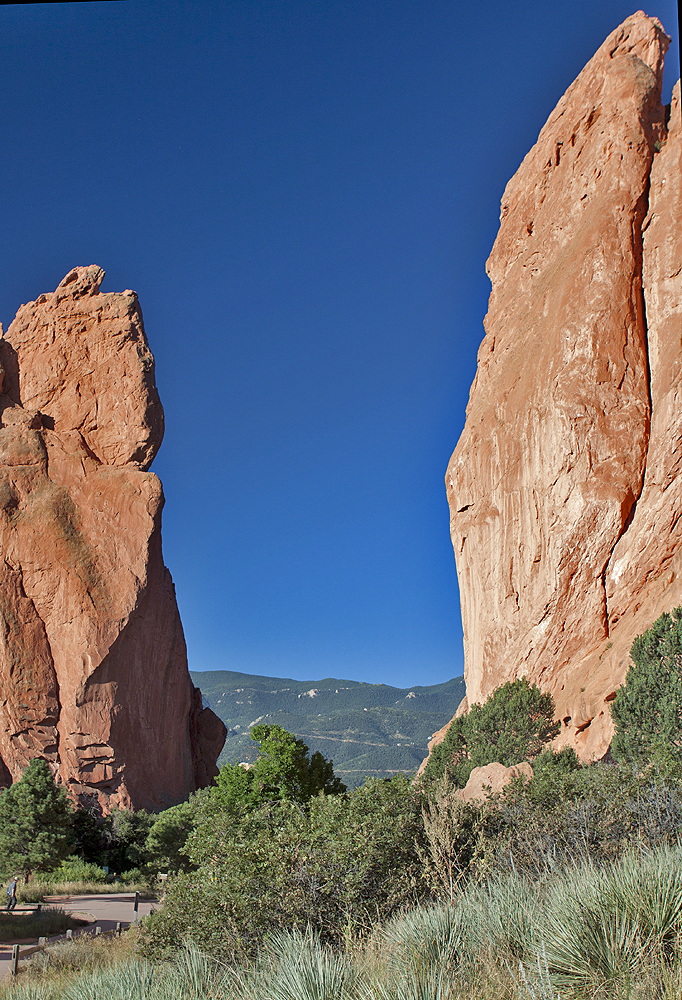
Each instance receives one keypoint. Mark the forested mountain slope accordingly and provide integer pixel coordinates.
(367, 729)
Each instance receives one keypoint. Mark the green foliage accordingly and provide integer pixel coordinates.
(604, 922)
(594, 933)
(424, 937)
(283, 770)
(35, 822)
(367, 849)
(338, 865)
(455, 838)
(591, 924)
(513, 725)
(305, 970)
(369, 729)
(566, 814)
(120, 840)
(164, 848)
(51, 920)
(124, 836)
(88, 830)
(74, 869)
(647, 709)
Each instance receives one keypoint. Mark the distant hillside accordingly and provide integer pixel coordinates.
(367, 729)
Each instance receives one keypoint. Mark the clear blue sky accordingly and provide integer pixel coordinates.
(304, 195)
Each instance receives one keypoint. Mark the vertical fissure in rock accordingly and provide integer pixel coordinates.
(638, 234)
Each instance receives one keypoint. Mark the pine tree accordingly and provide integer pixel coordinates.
(35, 822)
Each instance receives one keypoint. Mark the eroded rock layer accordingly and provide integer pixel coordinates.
(564, 489)
(93, 665)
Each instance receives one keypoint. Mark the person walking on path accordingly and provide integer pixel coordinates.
(12, 893)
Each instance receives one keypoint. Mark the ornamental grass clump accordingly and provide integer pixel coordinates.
(134, 981)
(305, 969)
(649, 888)
(606, 924)
(425, 983)
(427, 937)
(502, 917)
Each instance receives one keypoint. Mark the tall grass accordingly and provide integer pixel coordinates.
(586, 932)
(35, 892)
(20, 926)
(607, 923)
(304, 969)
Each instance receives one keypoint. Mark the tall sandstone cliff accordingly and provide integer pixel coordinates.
(565, 488)
(93, 665)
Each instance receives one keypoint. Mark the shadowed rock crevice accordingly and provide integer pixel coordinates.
(641, 215)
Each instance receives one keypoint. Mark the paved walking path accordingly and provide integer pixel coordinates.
(105, 910)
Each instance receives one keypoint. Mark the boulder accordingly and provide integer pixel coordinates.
(491, 779)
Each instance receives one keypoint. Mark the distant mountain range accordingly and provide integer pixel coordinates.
(369, 730)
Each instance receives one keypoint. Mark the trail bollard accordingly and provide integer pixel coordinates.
(69, 935)
(118, 928)
(98, 930)
(15, 960)
(135, 907)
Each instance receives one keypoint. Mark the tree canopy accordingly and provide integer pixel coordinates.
(165, 844)
(35, 821)
(283, 771)
(647, 709)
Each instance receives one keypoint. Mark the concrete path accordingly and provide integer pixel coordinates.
(105, 910)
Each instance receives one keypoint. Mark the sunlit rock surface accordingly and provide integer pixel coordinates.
(564, 488)
(93, 665)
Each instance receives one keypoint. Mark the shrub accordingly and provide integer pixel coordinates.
(567, 813)
(455, 835)
(76, 870)
(513, 725)
(647, 709)
(339, 866)
(50, 920)
(167, 838)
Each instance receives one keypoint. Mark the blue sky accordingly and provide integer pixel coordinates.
(304, 195)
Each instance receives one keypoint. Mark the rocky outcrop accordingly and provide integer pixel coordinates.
(491, 779)
(564, 489)
(93, 664)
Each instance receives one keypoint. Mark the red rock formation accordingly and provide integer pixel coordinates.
(564, 488)
(491, 779)
(93, 664)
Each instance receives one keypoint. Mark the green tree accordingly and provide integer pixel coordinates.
(647, 709)
(89, 829)
(283, 771)
(513, 725)
(165, 844)
(124, 835)
(340, 865)
(35, 822)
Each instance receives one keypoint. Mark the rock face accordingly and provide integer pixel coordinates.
(565, 488)
(93, 665)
